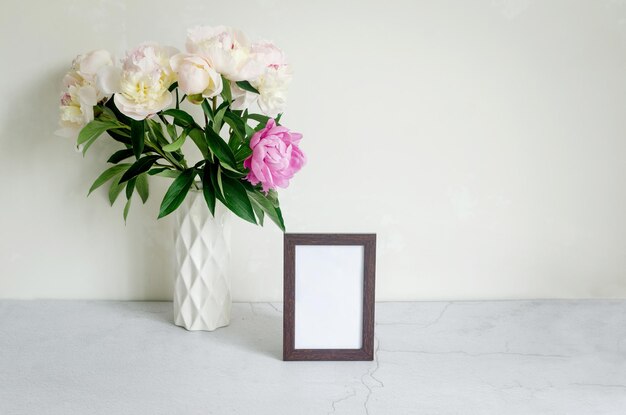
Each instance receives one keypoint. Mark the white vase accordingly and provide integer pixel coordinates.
(202, 298)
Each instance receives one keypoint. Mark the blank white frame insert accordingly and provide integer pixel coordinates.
(329, 282)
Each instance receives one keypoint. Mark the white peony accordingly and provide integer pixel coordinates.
(268, 54)
(89, 64)
(81, 91)
(272, 86)
(141, 87)
(226, 49)
(196, 76)
(272, 83)
(242, 99)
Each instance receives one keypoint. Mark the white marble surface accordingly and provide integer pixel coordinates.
(509, 357)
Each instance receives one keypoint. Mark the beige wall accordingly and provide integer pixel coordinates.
(484, 141)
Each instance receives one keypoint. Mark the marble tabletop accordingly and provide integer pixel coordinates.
(488, 357)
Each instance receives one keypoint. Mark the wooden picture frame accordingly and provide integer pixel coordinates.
(309, 259)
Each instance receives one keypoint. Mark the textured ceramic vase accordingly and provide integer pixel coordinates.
(202, 298)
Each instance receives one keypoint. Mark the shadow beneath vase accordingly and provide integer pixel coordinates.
(254, 328)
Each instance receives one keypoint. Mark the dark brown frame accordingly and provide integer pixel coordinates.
(366, 352)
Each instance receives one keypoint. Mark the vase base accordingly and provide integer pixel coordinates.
(201, 327)
(200, 324)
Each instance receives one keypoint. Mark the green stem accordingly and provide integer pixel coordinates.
(162, 118)
(169, 166)
(165, 156)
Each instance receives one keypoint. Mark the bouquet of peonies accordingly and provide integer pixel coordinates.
(246, 156)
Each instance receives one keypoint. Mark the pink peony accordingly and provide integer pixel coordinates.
(275, 156)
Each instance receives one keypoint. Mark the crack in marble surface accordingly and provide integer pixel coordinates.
(275, 308)
(344, 398)
(370, 372)
(421, 325)
(438, 319)
(516, 384)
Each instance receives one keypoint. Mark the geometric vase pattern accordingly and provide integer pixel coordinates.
(202, 298)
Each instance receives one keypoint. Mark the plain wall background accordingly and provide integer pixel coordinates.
(484, 141)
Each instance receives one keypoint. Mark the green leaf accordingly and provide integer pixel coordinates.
(164, 172)
(177, 192)
(107, 175)
(222, 105)
(155, 130)
(200, 163)
(219, 180)
(258, 128)
(120, 155)
(176, 144)
(158, 170)
(272, 196)
(173, 86)
(123, 136)
(278, 220)
(238, 127)
(208, 190)
(234, 142)
(234, 174)
(226, 92)
(217, 120)
(245, 85)
(171, 130)
(263, 119)
(236, 123)
(258, 212)
(243, 153)
(94, 129)
(206, 107)
(106, 114)
(216, 181)
(88, 144)
(236, 199)
(249, 131)
(177, 156)
(268, 207)
(197, 136)
(130, 187)
(116, 132)
(115, 190)
(137, 136)
(181, 118)
(124, 119)
(126, 209)
(142, 187)
(221, 150)
(140, 166)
